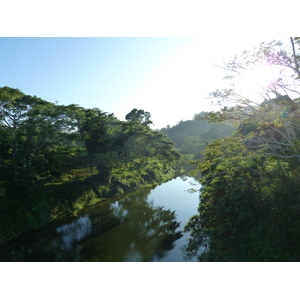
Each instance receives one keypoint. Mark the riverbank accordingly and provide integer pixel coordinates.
(29, 210)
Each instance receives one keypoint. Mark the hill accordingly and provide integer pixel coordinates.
(192, 136)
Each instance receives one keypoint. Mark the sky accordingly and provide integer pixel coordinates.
(168, 77)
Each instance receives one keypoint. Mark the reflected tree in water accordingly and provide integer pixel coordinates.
(132, 229)
(144, 232)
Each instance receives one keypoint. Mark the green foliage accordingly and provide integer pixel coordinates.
(38, 138)
(35, 137)
(192, 136)
(247, 201)
(131, 145)
(250, 204)
(140, 116)
(56, 159)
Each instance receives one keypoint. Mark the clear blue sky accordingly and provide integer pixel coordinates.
(169, 77)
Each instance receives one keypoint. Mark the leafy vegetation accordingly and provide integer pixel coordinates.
(56, 159)
(250, 204)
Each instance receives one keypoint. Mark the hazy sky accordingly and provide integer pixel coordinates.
(169, 77)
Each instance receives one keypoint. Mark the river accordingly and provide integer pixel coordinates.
(146, 226)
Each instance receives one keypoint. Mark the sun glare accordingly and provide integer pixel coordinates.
(255, 80)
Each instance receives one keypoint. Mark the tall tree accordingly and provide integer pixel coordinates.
(97, 132)
(33, 138)
(140, 116)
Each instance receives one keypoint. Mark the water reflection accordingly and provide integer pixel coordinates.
(74, 232)
(130, 229)
(60, 244)
(144, 231)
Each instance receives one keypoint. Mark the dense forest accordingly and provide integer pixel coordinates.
(56, 159)
(250, 195)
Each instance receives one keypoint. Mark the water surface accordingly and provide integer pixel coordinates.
(144, 226)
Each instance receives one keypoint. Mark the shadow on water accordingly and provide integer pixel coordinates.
(130, 229)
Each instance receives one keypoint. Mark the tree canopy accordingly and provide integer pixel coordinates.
(249, 208)
(38, 138)
(140, 116)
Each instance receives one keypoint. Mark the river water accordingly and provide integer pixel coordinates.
(141, 227)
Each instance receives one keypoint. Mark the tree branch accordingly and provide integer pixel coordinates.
(295, 59)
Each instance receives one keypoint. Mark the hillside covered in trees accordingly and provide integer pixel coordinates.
(250, 198)
(56, 159)
(191, 137)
